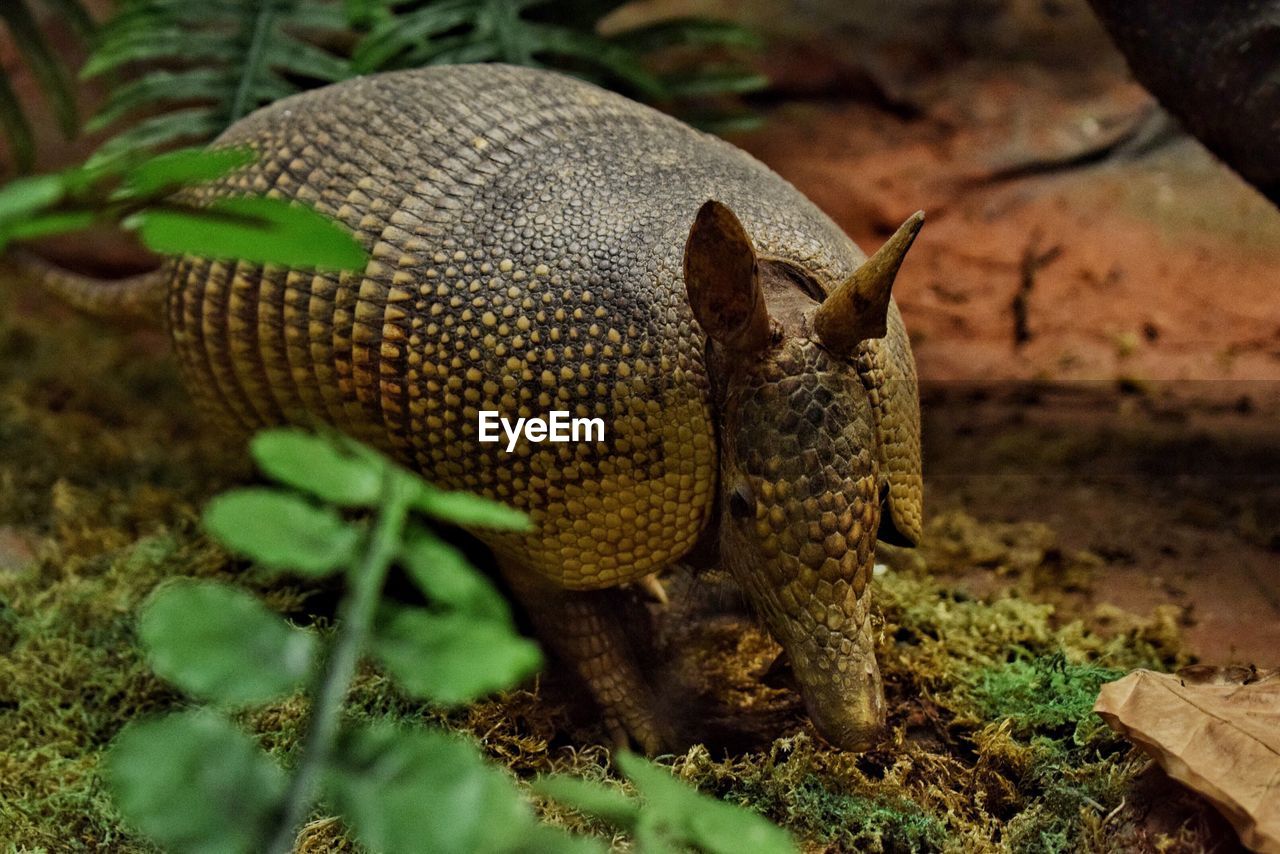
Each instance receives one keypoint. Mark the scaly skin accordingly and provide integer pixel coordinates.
(805, 445)
(527, 233)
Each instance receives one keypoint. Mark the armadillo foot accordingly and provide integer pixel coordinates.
(587, 630)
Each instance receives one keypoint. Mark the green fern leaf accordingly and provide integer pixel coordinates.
(379, 49)
(307, 60)
(52, 74)
(500, 21)
(322, 18)
(75, 15)
(199, 84)
(219, 61)
(190, 125)
(254, 63)
(687, 32)
(453, 50)
(563, 35)
(720, 122)
(616, 62)
(715, 82)
(162, 41)
(16, 128)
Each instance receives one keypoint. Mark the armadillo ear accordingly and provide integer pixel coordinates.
(858, 308)
(721, 276)
(890, 375)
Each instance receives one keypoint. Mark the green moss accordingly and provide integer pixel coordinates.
(1040, 693)
(857, 822)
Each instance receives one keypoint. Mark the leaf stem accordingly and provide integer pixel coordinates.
(364, 580)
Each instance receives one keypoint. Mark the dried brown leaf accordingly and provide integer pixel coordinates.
(1216, 731)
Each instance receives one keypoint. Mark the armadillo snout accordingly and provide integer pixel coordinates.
(847, 707)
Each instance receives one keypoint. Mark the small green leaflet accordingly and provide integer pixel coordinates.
(451, 658)
(42, 225)
(182, 167)
(281, 531)
(675, 814)
(195, 784)
(317, 465)
(405, 791)
(256, 229)
(467, 510)
(220, 643)
(25, 196)
(669, 816)
(445, 576)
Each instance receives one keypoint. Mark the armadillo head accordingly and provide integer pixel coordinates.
(803, 479)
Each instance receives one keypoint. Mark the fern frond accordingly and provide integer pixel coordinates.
(452, 50)
(688, 32)
(163, 131)
(214, 61)
(392, 37)
(564, 35)
(51, 73)
(614, 64)
(254, 64)
(198, 84)
(17, 129)
(715, 81)
(314, 63)
(75, 15)
(47, 67)
(324, 17)
(141, 43)
(218, 60)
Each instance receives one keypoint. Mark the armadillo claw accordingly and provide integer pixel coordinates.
(651, 585)
(639, 733)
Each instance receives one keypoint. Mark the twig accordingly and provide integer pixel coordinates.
(1033, 260)
(365, 580)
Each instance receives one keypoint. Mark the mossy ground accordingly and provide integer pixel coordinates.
(103, 468)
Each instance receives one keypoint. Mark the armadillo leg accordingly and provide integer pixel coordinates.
(587, 630)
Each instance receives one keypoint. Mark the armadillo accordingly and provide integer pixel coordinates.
(540, 244)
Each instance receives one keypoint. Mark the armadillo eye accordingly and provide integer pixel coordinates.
(742, 502)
